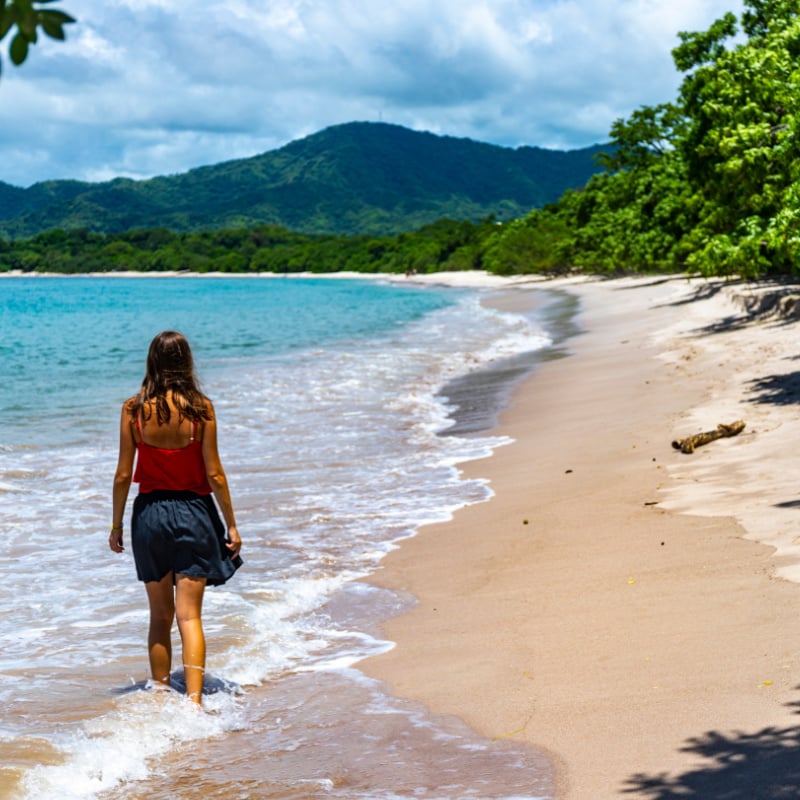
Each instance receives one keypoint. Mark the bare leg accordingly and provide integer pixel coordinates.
(189, 606)
(159, 640)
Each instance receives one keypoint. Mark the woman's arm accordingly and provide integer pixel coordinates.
(122, 479)
(219, 481)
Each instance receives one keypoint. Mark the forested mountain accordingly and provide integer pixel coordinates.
(358, 177)
(11, 200)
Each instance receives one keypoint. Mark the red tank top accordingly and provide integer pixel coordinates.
(181, 469)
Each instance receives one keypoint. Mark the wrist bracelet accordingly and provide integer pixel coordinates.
(116, 528)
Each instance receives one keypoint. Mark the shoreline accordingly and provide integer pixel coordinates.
(606, 606)
(479, 397)
(466, 278)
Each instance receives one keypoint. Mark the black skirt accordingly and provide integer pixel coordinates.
(180, 532)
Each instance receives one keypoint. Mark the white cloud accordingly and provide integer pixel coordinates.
(145, 87)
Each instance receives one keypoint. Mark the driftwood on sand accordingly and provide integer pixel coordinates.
(722, 431)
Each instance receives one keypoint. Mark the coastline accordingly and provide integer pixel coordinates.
(609, 605)
(467, 278)
(479, 397)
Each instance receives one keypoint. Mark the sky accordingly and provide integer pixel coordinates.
(156, 87)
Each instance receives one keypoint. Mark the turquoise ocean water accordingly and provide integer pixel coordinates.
(328, 396)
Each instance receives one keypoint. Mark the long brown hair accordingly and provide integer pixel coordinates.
(170, 369)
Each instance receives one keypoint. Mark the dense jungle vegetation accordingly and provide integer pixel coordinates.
(706, 183)
(446, 244)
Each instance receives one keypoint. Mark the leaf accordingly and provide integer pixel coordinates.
(56, 16)
(26, 20)
(19, 49)
(7, 19)
(54, 28)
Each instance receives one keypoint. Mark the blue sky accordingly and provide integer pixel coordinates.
(153, 87)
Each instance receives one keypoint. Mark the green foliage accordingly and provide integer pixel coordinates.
(704, 47)
(27, 17)
(642, 139)
(445, 244)
(707, 183)
(528, 245)
(742, 152)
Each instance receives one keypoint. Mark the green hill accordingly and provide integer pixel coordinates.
(358, 177)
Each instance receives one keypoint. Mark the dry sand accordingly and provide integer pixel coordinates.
(613, 603)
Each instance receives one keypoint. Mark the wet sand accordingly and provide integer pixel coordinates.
(614, 603)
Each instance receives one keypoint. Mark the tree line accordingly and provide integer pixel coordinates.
(446, 244)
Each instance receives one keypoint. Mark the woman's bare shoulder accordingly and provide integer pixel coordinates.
(131, 405)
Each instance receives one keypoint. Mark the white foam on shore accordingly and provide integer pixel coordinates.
(114, 749)
(345, 441)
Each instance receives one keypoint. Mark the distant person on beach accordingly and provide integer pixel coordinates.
(179, 542)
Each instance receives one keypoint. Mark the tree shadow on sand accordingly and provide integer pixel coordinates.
(739, 766)
(761, 302)
(706, 291)
(779, 390)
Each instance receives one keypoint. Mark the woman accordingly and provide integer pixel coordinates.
(179, 541)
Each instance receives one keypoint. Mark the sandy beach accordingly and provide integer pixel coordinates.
(627, 608)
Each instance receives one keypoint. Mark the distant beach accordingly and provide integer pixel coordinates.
(466, 279)
(630, 609)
